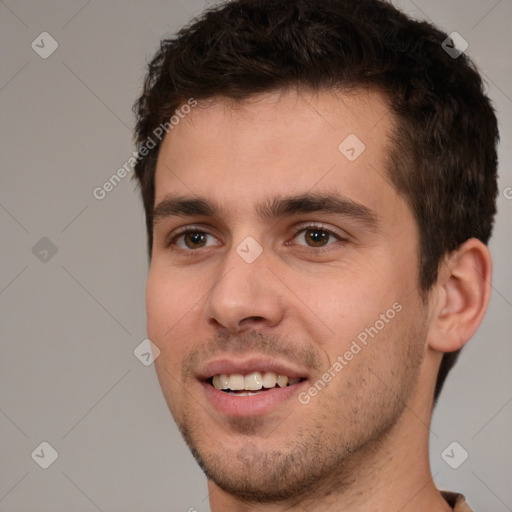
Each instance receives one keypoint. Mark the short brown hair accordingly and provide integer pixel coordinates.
(443, 159)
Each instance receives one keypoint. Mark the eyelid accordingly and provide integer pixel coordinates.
(341, 235)
(193, 228)
(189, 228)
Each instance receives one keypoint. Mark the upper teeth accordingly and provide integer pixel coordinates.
(252, 382)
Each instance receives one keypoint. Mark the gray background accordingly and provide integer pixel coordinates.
(70, 324)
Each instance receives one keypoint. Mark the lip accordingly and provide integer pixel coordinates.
(250, 406)
(231, 366)
(255, 405)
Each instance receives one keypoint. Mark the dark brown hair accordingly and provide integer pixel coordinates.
(443, 158)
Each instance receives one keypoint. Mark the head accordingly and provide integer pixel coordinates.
(271, 90)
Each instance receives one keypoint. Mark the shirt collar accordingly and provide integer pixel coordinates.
(456, 501)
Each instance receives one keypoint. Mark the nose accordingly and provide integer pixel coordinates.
(245, 296)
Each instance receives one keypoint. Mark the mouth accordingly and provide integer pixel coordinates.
(252, 387)
(252, 384)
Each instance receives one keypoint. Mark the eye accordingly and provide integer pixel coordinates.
(316, 236)
(193, 239)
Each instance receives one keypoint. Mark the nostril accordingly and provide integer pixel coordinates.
(252, 319)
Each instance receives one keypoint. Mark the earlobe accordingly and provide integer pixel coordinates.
(463, 291)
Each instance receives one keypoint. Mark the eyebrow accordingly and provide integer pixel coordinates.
(272, 209)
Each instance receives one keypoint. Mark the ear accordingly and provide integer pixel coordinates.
(462, 294)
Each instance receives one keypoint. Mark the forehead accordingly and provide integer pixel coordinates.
(282, 143)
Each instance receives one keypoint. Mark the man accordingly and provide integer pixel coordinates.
(317, 213)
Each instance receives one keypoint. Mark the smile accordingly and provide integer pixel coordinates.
(249, 387)
(252, 383)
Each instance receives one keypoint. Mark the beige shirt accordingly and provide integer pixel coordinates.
(456, 501)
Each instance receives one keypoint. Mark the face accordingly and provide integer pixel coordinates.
(282, 291)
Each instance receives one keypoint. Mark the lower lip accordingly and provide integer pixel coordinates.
(254, 405)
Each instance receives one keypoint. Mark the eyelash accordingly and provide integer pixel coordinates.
(184, 231)
(308, 227)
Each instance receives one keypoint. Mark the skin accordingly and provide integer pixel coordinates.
(362, 442)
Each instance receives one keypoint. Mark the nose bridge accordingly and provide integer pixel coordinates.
(245, 291)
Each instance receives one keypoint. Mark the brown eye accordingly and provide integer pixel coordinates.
(195, 239)
(316, 237)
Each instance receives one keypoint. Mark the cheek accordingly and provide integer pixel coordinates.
(346, 302)
(166, 304)
(172, 312)
(378, 373)
(166, 310)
